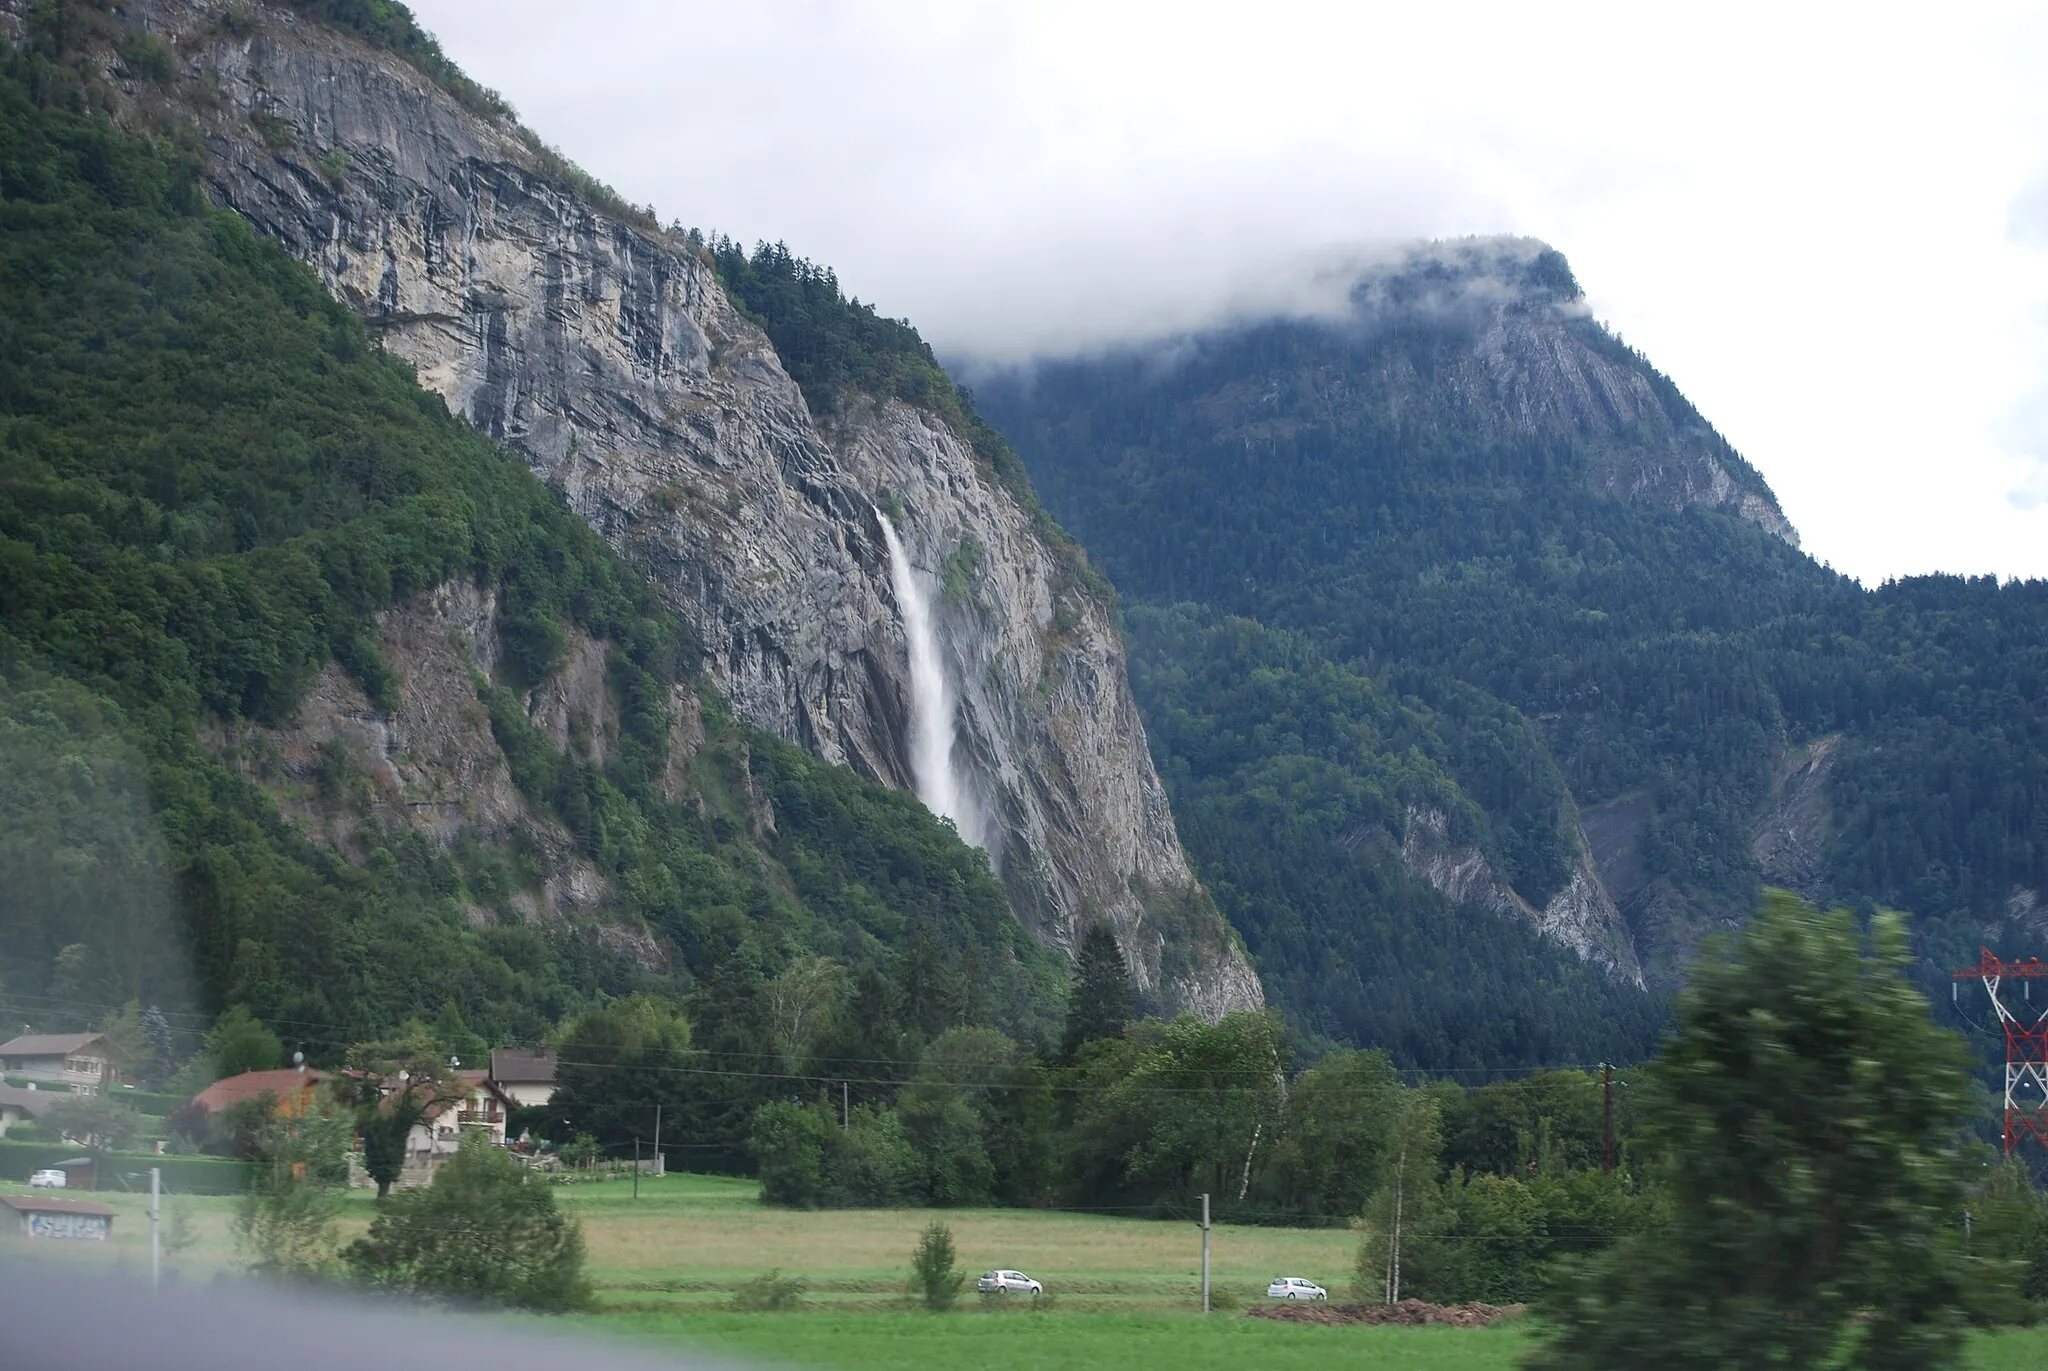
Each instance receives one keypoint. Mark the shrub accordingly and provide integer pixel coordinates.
(483, 1232)
(788, 1143)
(933, 1278)
(772, 1291)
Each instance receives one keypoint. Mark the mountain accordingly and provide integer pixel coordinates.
(314, 701)
(1453, 587)
(611, 357)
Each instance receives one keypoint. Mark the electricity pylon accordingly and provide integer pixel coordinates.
(2026, 1044)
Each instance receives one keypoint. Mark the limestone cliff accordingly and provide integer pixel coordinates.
(1534, 365)
(607, 355)
(1790, 841)
(430, 762)
(1582, 915)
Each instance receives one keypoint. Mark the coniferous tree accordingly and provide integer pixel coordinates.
(1101, 1002)
(1809, 1116)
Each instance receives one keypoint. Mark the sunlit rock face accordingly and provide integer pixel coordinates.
(605, 353)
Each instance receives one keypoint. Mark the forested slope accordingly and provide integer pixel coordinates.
(218, 500)
(1466, 489)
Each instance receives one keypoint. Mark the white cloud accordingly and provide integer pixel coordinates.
(1822, 221)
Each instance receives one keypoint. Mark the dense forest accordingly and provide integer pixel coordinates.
(1285, 505)
(212, 487)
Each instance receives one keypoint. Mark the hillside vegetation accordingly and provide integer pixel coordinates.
(212, 488)
(1396, 502)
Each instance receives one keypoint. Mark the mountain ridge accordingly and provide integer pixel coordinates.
(1466, 484)
(609, 354)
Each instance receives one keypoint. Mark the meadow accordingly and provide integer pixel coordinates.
(1123, 1291)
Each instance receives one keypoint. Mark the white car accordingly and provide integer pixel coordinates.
(51, 1179)
(1295, 1288)
(1008, 1282)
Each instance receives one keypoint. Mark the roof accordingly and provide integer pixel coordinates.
(254, 1084)
(29, 1102)
(37, 1203)
(518, 1066)
(437, 1102)
(46, 1044)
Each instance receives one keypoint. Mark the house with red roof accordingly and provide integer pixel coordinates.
(291, 1091)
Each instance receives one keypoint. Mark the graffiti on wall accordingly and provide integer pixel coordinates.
(91, 1227)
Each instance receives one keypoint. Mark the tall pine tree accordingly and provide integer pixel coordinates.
(1101, 1002)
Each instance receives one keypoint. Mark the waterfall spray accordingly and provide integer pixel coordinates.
(933, 772)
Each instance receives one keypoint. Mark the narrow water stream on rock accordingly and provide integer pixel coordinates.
(933, 772)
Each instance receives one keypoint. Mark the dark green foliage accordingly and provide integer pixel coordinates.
(1465, 609)
(1335, 1136)
(618, 1064)
(788, 1145)
(1806, 1118)
(485, 1232)
(239, 1043)
(1101, 1001)
(1501, 1239)
(974, 1124)
(1294, 780)
(872, 862)
(1544, 1122)
(933, 1278)
(211, 484)
(1171, 1110)
(2006, 1240)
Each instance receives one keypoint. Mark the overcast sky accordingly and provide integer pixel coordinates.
(1827, 224)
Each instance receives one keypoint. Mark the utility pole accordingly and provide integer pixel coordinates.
(1607, 1121)
(845, 1105)
(1205, 1251)
(155, 1251)
(660, 1166)
(636, 1168)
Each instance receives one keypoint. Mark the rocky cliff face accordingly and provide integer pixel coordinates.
(606, 354)
(1582, 915)
(1524, 359)
(1790, 841)
(431, 763)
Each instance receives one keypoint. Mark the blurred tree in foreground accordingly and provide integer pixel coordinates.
(1808, 1116)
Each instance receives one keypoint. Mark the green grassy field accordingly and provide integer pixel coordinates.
(693, 1240)
(1123, 1290)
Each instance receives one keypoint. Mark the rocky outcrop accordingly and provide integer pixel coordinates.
(2025, 909)
(605, 353)
(431, 762)
(1582, 915)
(1522, 359)
(1790, 841)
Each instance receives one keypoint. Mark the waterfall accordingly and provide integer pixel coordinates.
(937, 778)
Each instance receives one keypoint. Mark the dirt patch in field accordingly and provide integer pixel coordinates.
(1408, 1313)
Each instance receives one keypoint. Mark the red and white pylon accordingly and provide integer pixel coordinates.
(2026, 1046)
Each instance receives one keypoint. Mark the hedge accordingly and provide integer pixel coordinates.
(183, 1175)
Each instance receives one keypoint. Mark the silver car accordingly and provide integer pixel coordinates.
(1295, 1288)
(49, 1178)
(1009, 1283)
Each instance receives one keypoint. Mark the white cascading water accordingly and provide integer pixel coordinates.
(932, 771)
